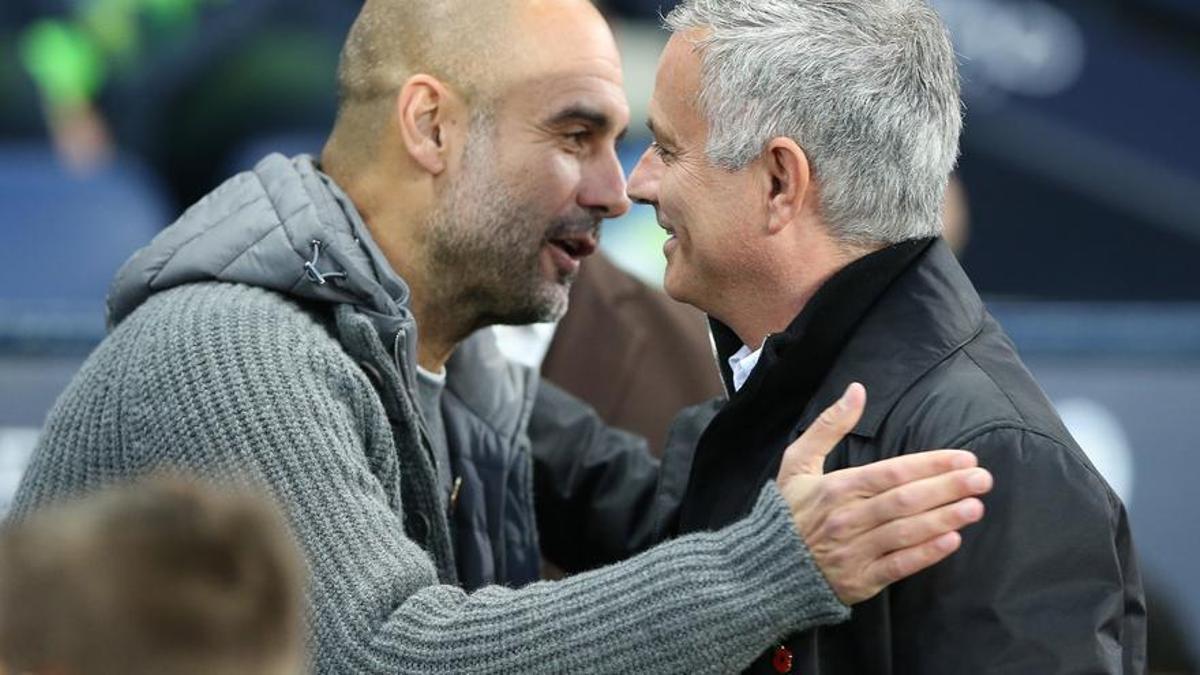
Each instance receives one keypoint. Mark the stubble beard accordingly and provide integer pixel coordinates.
(484, 249)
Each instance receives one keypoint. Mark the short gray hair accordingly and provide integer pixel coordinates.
(869, 89)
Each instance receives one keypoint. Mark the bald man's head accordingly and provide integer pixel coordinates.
(477, 139)
(391, 40)
(453, 40)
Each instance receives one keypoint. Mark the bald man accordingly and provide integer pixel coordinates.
(271, 336)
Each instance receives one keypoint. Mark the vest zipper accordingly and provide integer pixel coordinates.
(409, 386)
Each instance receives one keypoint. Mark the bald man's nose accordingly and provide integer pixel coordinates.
(604, 188)
(643, 181)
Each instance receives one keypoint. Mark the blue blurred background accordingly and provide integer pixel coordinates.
(1076, 206)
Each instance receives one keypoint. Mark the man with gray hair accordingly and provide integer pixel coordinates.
(801, 154)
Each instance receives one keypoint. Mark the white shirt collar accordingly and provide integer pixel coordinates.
(526, 345)
(742, 363)
(438, 378)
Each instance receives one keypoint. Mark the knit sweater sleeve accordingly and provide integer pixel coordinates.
(270, 398)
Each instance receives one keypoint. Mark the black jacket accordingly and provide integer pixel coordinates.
(1047, 583)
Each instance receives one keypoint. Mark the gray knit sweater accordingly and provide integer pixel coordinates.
(246, 383)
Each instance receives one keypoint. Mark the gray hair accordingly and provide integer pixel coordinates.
(869, 89)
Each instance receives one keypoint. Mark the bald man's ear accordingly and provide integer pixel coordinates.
(424, 109)
(789, 174)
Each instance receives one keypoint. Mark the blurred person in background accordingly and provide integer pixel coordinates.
(271, 335)
(800, 165)
(158, 577)
(19, 109)
(179, 84)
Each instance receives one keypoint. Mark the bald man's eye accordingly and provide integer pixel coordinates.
(578, 139)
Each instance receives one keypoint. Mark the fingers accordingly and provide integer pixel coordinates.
(902, 533)
(862, 542)
(881, 572)
(910, 499)
(879, 477)
(906, 562)
(806, 455)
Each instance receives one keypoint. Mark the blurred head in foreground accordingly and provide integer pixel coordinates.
(163, 576)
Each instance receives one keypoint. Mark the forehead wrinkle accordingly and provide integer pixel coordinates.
(564, 75)
(591, 97)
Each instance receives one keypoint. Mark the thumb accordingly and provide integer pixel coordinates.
(806, 455)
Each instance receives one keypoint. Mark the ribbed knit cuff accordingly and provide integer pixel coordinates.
(795, 594)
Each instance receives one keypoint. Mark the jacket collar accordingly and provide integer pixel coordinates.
(806, 349)
(930, 312)
(284, 226)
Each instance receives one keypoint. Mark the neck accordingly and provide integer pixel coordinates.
(440, 329)
(795, 277)
(758, 318)
(395, 211)
(443, 319)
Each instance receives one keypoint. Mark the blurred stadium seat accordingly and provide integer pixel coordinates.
(65, 235)
(63, 238)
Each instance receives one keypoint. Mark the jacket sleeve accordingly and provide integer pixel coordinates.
(1046, 583)
(595, 485)
(301, 421)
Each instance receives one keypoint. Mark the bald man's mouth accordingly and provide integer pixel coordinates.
(569, 250)
(577, 246)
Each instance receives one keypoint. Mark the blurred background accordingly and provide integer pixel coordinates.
(1074, 208)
